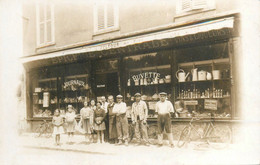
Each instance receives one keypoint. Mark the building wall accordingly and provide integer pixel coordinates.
(74, 21)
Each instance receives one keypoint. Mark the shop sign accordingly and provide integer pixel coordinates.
(73, 84)
(145, 75)
(46, 98)
(101, 86)
(211, 104)
(191, 102)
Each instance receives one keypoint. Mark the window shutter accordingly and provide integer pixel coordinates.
(110, 16)
(185, 5)
(101, 17)
(199, 4)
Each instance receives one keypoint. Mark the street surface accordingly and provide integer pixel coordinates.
(41, 151)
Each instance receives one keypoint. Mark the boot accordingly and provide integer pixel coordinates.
(160, 140)
(119, 142)
(170, 137)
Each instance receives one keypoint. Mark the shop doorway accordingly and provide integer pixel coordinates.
(112, 84)
(107, 84)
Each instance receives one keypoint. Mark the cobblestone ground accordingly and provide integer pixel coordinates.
(42, 150)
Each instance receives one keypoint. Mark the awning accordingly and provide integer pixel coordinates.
(166, 34)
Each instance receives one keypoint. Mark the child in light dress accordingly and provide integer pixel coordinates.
(57, 122)
(70, 119)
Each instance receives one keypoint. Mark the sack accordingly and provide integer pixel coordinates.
(79, 128)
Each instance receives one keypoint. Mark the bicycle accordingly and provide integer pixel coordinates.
(45, 128)
(216, 136)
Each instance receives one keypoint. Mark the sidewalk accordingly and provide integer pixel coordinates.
(79, 145)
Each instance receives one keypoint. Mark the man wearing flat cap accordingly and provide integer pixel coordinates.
(164, 108)
(121, 120)
(139, 116)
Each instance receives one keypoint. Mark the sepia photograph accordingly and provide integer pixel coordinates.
(128, 82)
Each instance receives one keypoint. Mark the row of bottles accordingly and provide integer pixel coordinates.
(208, 93)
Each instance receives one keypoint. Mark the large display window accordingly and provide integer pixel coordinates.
(57, 87)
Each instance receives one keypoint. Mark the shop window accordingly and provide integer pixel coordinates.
(57, 87)
(184, 6)
(204, 81)
(105, 17)
(45, 24)
(148, 74)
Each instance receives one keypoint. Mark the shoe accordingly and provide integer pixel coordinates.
(126, 143)
(147, 144)
(160, 145)
(119, 142)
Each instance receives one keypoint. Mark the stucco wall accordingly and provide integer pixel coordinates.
(74, 21)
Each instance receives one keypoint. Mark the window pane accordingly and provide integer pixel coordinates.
(110, 15)
(49, 35)
(101, 18)
(41, 12)
(41, 33)
(48, 11)
(186, 4)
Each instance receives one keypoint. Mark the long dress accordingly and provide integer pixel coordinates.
(112, 122)
(86, 119)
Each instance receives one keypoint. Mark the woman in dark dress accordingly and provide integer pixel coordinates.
(99, 126)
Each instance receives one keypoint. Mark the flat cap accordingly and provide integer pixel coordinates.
(119, 96)
(162, 93)
(137, 94)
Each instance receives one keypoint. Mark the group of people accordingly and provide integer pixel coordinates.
(109, 120)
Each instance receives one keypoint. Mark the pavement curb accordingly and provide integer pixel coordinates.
(65, 149)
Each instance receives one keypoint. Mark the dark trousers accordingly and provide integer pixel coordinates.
(164, 122)
(106, 132)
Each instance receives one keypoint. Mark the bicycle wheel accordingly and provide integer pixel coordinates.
(48, 132)
(219, 137)
(38, 131)
(131, 132)
(184, 137)
(152, 132)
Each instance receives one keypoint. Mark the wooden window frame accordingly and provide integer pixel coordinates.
(210, 5)
(106, 29)
(45, 20)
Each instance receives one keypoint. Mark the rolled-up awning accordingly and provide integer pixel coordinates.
(166, 34)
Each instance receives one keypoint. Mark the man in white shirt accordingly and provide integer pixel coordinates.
(139, 116)
(121, 120)
(164, 108)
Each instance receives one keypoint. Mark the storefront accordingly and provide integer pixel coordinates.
(193, 64)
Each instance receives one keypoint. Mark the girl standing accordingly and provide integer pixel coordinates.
(71, 122)
(57, 121)
(87, 121)
(99, 116)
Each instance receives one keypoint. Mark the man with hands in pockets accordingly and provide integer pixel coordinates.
(164, 108)
(139, 117)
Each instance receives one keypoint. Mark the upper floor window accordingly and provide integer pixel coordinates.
(194, 5)
(105, 17)
(45, 24)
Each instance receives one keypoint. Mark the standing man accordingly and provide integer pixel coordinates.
(104, 106)
(121, 120)
(112, 120)
(139, 117)
(164, 108)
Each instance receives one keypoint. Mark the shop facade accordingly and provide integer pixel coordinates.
(194, 64)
